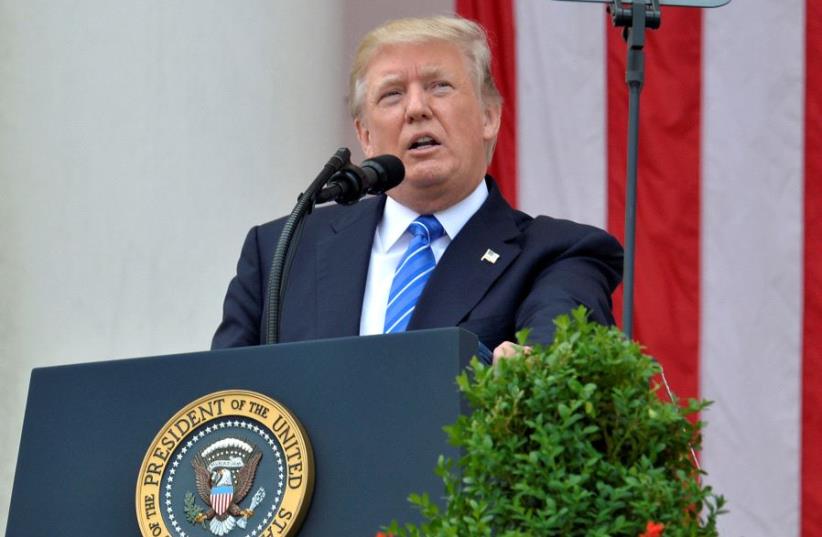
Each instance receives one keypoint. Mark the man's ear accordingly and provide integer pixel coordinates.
(364, 136)
(491, 116)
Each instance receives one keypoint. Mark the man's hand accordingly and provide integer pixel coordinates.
(508, 349)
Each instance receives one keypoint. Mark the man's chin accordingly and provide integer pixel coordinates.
(425, 174)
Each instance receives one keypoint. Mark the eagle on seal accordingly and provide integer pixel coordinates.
(213, 486)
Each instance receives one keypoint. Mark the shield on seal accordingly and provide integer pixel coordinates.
(222, 491)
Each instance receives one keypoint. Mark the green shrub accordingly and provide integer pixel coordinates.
(571, 439)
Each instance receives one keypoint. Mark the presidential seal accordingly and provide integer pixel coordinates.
(233, 463)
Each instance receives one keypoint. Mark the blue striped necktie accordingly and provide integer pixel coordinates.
(412, 273)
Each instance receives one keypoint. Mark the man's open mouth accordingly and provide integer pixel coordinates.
(423, 142)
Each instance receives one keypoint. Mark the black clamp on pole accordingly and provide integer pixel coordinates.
(624, 17)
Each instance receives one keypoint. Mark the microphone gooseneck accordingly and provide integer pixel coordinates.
(277, 277)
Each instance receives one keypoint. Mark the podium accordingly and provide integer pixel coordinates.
(373, 408)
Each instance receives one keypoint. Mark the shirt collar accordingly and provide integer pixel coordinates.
(396, 217)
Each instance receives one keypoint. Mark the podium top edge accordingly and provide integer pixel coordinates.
(457, 332)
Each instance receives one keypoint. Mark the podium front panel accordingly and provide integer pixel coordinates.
(373, 407)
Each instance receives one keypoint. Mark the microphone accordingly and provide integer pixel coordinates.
(373, 176)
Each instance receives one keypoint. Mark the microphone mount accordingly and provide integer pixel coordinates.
(344, 188)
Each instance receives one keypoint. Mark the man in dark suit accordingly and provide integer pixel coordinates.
(443, 248)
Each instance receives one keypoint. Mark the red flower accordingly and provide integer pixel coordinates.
(653, 529)
(383, 534)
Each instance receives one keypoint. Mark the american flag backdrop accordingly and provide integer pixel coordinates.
(729, 237)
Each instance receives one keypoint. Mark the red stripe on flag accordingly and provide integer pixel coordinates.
(498, 20)
(666, 300)
(812, 330)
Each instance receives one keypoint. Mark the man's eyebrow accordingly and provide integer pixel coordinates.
(431, 71)
(427, 71)
(389, 79)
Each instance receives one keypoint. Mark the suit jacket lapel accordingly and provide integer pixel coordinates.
(462, 277)
(342, 268)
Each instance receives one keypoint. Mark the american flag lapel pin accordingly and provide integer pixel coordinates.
(490, 256)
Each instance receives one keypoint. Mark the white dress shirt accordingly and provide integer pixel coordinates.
(391, 239)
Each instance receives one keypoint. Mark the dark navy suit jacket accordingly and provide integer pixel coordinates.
(546, 267)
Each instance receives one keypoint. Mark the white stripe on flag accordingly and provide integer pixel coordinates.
(561, 116)
(751, 261)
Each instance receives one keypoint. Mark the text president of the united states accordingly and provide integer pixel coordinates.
(441, 249)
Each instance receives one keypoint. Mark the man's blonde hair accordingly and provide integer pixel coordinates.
(469, 36)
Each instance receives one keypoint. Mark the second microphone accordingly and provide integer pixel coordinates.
(373, 176)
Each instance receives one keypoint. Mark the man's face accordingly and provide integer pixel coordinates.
(421, 105)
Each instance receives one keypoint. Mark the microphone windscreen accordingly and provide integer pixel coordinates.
(389, 172)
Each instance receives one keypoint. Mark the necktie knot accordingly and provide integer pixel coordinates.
(427, 228)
